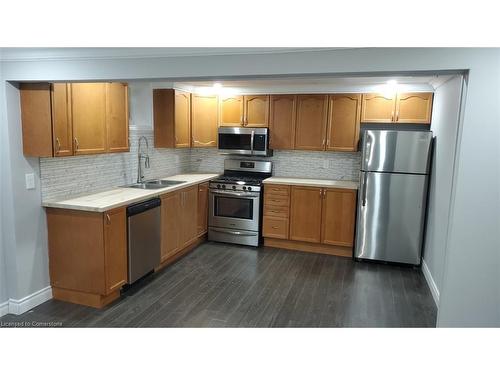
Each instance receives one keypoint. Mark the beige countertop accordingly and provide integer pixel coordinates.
(342, 184)
(123, 196)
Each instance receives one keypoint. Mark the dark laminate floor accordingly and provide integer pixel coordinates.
(219, 285)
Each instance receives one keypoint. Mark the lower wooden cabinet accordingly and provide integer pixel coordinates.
(170, 224)
(188, 215)
(87, 255)
(312, 219)
(202, 208)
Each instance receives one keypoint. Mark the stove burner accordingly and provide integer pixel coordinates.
(241, 180)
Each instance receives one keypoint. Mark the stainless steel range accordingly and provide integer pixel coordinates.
(235, 202)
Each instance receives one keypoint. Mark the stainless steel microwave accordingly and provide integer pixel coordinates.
(244, 141)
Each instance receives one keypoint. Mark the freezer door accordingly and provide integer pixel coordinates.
(396, 151)
(390, 220)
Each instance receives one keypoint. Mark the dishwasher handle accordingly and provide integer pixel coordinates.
(138, 208)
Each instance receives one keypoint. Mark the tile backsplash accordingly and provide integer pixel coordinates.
(77, 175)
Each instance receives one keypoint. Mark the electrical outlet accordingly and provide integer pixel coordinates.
(30, 181)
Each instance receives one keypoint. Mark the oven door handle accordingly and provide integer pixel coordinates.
(237, 233)
(235, 194)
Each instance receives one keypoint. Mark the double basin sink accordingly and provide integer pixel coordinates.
(154, 184)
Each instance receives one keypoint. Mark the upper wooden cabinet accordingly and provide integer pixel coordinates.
(204, 120)
(248, 110)
(311, 122)
(282, 122)
(343, 122)
(171, 118)
(410, 108)
(414, 108)
(65, 119)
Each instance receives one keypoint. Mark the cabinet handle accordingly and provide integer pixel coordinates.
(397, 116)
(58, 145)
(275, 227)
(108, 219)
(76, 144)
(392, 116)
(323, 142)
(246, 121)
(241, 121)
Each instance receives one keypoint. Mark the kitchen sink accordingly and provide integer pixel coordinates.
(154, 184)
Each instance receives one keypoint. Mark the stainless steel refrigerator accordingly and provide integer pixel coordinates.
(392, 195)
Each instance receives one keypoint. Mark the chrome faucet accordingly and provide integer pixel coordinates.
(140, 156)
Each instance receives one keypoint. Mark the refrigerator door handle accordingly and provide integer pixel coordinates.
(363, 189)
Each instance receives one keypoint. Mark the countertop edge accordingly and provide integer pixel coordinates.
(149, 195)
(341, 184)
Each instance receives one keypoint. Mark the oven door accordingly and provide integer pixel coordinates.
(234, 210)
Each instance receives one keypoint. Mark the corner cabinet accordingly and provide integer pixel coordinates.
(204, 117)
(87, 255)
(403, 108)
(64, 119)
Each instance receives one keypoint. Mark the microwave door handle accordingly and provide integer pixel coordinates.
(251, 141)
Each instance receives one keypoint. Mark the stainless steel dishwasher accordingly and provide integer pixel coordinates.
(144, 238)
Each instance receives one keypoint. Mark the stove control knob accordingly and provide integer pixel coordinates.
(244, 187)
(234, 187)
(249, 188)
(218, 186)
(223, 186)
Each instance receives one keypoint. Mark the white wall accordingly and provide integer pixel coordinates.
(445, 117)
(471, 288)
(3, 172)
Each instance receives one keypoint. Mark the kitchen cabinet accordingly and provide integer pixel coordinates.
(247, 110)
(202, 208)
(412, 108)
(311, 122)
(343, 122)
(64, 119)
(189, 215)
(204, 120)
(282, 122)
(305, 213)
(338, 217)
(87, 255)
(170, 224)
(171, 118)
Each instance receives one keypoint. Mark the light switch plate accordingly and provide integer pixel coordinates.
(30, 181)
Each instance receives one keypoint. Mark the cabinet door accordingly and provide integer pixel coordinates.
(36, 119)
(117, 117)
(414, 108)
(88, 108)
(62, 131)
(310, 129)
(231, 111)
(377, 108)
(163, 118)
(170, 224)
(202, 208)
(182, 119)
(343, 122)
(115, 248)
(282, 122)
(189, 214)
(256, 108)
(204, 120)
(339, 211)
(305, 214)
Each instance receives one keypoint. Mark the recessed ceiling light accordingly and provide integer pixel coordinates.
(217, 85)
(392, 82)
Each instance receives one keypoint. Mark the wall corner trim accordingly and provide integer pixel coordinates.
(430, 281)
(22, 305)
(4, 308)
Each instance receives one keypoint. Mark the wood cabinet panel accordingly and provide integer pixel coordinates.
(182, 119)
(377, 108)
(414, 108)
(282, 115)
(343, 122)
(310, 128)
(202, 208)
(170, 224)
(204, 120)
(163, 118)
(88, 108)
(338, 221)
(117, 117)
(189, 215)
(36, 119)
(62, 128)
(276, 200)
(231, 111)
(275, 227)
(277, 211)
(256, 111)
(115, 247)
(277, 189)
(305, 214)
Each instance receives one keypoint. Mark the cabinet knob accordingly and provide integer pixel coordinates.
(76, 143)
(108, 219)
(58, 145)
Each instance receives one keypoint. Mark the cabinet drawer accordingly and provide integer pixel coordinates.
(276, 200)
(275, 227)
(279, 211)
(277, 189)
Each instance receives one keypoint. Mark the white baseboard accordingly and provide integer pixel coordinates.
(430, 281)
(22, 305)
(4, 308)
